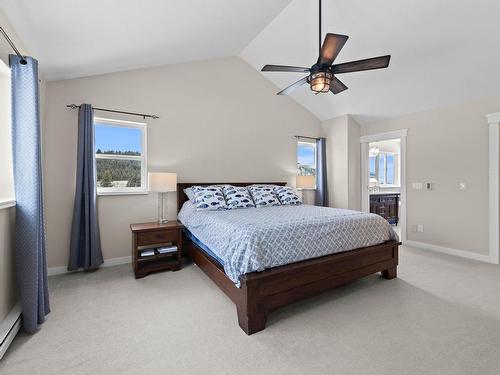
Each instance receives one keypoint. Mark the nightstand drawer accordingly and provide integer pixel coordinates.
(151, 238)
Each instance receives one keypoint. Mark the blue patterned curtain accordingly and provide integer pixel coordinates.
(321, 180)
(31, 261)
(85, 246)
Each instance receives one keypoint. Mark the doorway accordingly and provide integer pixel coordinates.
(383, 177)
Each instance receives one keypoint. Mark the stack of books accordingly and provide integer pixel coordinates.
(147, 253)
(167, 249)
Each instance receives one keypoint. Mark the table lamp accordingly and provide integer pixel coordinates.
(162, 183)
(306, 182)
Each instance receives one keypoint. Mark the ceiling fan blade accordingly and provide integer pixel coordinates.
(331, 47)
(336, 86)
(284, 68)
(360, 65)
(293, 86)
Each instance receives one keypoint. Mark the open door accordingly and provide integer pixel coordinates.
(383, 177)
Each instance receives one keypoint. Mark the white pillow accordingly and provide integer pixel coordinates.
(190, 193)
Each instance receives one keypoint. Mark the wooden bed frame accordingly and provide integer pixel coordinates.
(262, 292)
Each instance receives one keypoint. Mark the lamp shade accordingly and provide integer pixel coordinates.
(306, 182)
(162, 182)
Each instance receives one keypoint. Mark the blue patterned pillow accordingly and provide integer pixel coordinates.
(237, 197)
(209, 198)
(264, 196)
(287, 195)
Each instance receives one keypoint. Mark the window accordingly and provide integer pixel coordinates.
(120, 156)
(6, 167)
(384, 168)
(306, 159)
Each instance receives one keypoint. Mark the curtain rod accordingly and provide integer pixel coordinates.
(74, 106)
(305, 137)
(23, 60)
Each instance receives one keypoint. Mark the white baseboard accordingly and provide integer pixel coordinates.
(9, 327)
(449, 251)
(52, 271)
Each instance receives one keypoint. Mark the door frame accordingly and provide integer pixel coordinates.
(365, 141)
(494, 185)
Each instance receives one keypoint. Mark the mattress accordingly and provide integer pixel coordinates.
(255, 239)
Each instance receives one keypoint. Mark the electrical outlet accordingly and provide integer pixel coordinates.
(420, 228)
(429, 186)
(462, 186)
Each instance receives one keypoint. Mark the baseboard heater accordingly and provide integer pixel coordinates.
(9, 328)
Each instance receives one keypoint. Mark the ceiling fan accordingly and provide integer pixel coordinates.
(322, 75)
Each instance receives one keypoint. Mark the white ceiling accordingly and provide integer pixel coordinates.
(443, 52)
(81, 38)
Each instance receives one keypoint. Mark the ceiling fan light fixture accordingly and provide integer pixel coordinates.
(320, 82)
(323, 75)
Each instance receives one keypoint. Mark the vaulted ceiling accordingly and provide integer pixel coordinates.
(81, 38)
(443, 51)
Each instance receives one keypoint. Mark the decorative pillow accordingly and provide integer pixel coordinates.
(287, 195)
(209, 198)
(237, 197)
(190, 193)
(263, 195)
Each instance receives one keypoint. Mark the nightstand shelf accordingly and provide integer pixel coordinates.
(149, 236)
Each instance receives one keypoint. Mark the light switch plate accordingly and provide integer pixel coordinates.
(417, 186)
(420, 228)
(462, 186)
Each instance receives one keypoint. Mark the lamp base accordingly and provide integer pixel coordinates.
(162, 208)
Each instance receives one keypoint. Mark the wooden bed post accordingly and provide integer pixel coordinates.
(392, 272)
(252, 315)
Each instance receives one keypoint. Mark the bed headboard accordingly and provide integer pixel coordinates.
(182, 197)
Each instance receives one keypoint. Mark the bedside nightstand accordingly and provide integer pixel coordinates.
(151, 236)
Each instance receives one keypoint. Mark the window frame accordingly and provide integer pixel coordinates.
(397, 170)
(8, 200)
(315, 165)
(143, 189)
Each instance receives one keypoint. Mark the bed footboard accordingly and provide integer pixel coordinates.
(262, 292)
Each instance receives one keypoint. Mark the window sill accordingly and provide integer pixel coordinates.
(7, 203)
(142, 192)
(306, 189)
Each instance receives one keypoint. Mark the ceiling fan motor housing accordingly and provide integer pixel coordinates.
(320, 79)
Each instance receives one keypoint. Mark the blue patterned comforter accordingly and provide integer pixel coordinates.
(254, 239)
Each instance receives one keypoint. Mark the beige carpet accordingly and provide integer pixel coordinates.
(442, 316)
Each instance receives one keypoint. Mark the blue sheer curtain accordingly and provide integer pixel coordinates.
(85, 245)
(31, 263)
(321, 198)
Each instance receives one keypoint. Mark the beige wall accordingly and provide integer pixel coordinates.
(220, 120)
(8, 289)
(343, 162)
(354, 166)
(447, 146)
